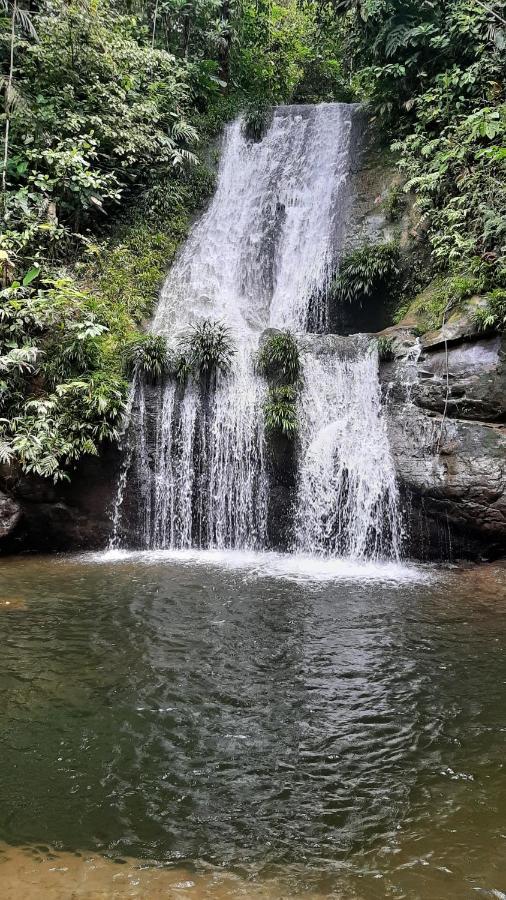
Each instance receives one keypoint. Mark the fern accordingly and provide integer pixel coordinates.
(279, 359)
(280, 411)
(363, 271)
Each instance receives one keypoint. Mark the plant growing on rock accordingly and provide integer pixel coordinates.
(280, 411)
(443, 296)
(492, 317)
(256, 120)
(279, 359)
(385, 347)
(364, 271)
(205, 349)
(148, 355)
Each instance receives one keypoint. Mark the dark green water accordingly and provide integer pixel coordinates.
(333, 728)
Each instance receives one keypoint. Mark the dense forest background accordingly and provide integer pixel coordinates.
(109, 110)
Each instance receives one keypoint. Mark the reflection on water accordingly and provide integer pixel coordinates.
(255, 728)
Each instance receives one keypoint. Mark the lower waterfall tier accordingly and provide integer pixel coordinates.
(198, 470)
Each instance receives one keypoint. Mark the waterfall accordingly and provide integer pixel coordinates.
(347, 499)
(261, 256)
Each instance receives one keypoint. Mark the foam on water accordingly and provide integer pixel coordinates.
(296, 567)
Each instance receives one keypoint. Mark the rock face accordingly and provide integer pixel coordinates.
(39, 516)
(10, 514)
(446, 414)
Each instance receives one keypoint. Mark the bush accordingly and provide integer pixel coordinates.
(385, 347)
(492, 317)
(256, 120)
(366, 270)
(280, 411)
(148, 355)
(279, 359)
(394, 203)
(206, 348)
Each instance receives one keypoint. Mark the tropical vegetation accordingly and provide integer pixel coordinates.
(108, 111)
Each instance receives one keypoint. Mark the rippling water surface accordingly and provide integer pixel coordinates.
(251, 725)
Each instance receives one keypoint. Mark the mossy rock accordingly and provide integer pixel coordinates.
(445, 301)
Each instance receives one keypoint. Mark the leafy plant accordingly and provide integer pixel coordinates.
(492, 317)
(433, 77)
(52, 432)
(256, 119)
(205, 349)
(280, 410)
(148, 354)
(385, 347)
(394, 203)
(364, 271)
(279, 358)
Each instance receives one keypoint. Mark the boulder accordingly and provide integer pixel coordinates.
(10, 515)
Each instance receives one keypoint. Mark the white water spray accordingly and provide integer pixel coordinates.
(347, 494)
(261, 256)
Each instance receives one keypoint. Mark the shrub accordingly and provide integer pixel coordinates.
(394, 203)
(205, 349)
(256, 120)
(280, 411)
(492, 317)
(362, 272)
(148, 354)
(279, 359)
(385, 347)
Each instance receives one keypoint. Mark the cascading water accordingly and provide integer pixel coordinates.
(260, 257)
(347, 492)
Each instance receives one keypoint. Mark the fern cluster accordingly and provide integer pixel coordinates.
(256, 118)
(279, 362)
(362, 272)
(385, 347)
(148, 355)
(206, 348)
(492, 317)
(279, 359)
(280, 411)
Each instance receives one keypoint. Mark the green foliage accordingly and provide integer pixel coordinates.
(101, 110)
(385, 347)
(104, 111)
(205, 349)
(58, 400)
(433, 74)
(280, 411)
(148, 354)
(365, 271)
(492, 317)
(279, 359)
(394, 203)
(437, 302)
(256, 120)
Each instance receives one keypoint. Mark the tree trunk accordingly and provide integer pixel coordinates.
(8, 97)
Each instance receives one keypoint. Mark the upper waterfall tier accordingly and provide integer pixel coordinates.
(261, 254)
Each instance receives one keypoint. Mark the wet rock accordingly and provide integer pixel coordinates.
(43, 517)
(474, 375)
(461, 324)
(450, 451)
(10, 515)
